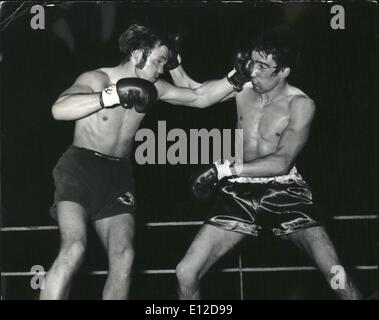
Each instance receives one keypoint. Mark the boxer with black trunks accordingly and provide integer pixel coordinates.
(102, 184)
(265, 191)
(94, 178)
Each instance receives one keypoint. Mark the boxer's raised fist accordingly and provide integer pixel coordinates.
(241, 73)
(174, 45)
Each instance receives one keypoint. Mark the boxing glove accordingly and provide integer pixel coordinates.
(241, 73)
(174, 45)
(130, 93)
(204, 180)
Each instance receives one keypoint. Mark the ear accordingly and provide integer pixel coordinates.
(136, 57)
(285, 72)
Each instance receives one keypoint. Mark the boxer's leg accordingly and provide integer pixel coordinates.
(317, 244)
(299, 222)
(72, 222)
(209, 245)
(116, 234)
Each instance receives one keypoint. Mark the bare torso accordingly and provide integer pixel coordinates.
(263, 123)
(109, 131)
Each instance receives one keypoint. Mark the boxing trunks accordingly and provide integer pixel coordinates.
(102, 184)
(281, 204)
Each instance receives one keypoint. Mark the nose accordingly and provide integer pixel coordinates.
(253, 70)
(161, 70)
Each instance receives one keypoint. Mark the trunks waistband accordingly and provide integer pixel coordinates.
(293, 175)
(97, 154)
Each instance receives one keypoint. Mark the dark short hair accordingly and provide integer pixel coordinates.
(279, 42)
(138, 37)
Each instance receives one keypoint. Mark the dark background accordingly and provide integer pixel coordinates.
(338, 70)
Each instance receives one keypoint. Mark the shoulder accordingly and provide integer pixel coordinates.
(300, 102)
(302, 109)
(97, 80)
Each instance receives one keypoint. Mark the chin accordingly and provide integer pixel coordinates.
(148, 79)
(261, 90)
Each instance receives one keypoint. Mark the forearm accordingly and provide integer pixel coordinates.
(267, 166)
(182, 79)
(212, 92)
(76, 106)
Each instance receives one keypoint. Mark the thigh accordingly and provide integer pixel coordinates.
(72, 221)
(288, 208)
(117, 190)
(209, 245)
(72, 179)
(236, 208)
(317, 244)
(311, 238)
(116, 232)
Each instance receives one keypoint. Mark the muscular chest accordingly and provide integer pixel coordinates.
(261, 122)
(118, 121)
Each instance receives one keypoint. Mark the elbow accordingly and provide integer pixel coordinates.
(201, 100)
(284, 167)
(283, 171)
(58, 110)
(202, 103)
(56, 113)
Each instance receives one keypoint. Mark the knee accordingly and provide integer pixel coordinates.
(123, 256)
(73, 252)
(186, 273)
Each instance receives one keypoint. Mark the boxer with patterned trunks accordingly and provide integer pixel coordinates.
(260, 190)
(281, 204)
(102, 184)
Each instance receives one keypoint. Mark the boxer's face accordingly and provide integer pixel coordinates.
(154, 64)
(262, 72)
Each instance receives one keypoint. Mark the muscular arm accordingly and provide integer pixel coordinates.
(182, 79)
(81, 99)
(203, 96)
(291, 143)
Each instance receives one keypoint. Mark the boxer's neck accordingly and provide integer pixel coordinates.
(274, 93)
(126, 70)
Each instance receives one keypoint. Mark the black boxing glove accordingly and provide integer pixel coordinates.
(174, 45)
(204, 181)
(130, 93)
(241, 73)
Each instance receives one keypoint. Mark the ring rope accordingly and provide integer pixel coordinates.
(172, 224)
(172, 271)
